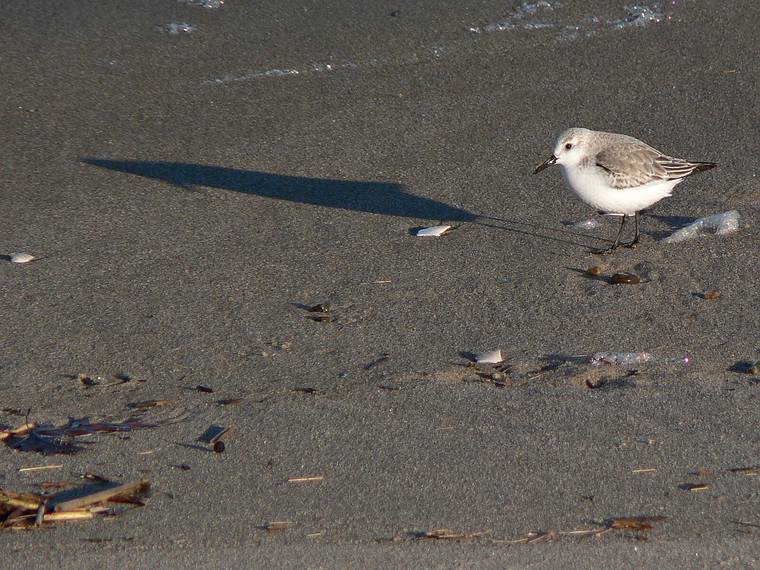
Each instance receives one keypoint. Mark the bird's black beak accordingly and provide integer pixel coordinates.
(545, 164)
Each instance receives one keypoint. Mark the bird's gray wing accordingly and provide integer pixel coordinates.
(679, 168)
(628, 165)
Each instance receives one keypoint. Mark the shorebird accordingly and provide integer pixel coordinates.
(618, 174)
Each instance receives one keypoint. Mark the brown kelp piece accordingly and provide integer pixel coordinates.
(694, 487)
(447, 534)
(148, 404)
(746, 471)
(58, 440)
(17, 432)
(86, 380)
(639, 523)
(273, 526)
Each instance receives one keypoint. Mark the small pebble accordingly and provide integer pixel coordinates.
(21, 258)
(320, 308)
(498, 376)
(205, 389)
(595, 270)
(711, 295)
(218, 446)
(625, 279)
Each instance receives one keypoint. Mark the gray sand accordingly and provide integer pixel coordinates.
(183, 223)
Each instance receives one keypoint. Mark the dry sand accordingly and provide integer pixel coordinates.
(182, 224)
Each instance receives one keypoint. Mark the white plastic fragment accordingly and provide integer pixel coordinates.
(721, 224)
(210, 4)
(619, 358)
(21, 258)
(589, 224)
(432, 231)
(633, 358)
(489, 357)
(637, 15)
(174, 28)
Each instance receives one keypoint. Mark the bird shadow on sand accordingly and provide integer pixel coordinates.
(386, 198)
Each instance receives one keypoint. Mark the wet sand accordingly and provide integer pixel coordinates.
(189, 196)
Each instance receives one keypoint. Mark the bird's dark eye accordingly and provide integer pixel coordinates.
(568, 146)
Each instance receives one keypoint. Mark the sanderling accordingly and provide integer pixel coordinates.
(618, 174)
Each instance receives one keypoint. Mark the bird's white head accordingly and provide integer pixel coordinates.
(571, 149)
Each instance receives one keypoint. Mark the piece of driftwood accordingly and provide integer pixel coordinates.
(102, 496)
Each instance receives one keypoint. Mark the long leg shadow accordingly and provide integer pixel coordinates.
(385, 198)
(531, 229)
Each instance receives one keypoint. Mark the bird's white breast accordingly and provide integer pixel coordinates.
(591, 186)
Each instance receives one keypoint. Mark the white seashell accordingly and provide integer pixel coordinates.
(21, 258)
(490, 357)
(433, 231)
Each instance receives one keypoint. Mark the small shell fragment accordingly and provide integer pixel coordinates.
(432, 231)
(625, 278)
(711, 295)
(595, 270)
(489, 357)
(21, 258)
(323, 318)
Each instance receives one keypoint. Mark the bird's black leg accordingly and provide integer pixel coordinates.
(636, 234)
(615, 245)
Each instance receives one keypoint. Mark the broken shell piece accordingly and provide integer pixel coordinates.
(489, 357)
(432, 231)
(322, 318)
(21, 258)
(625, 279)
